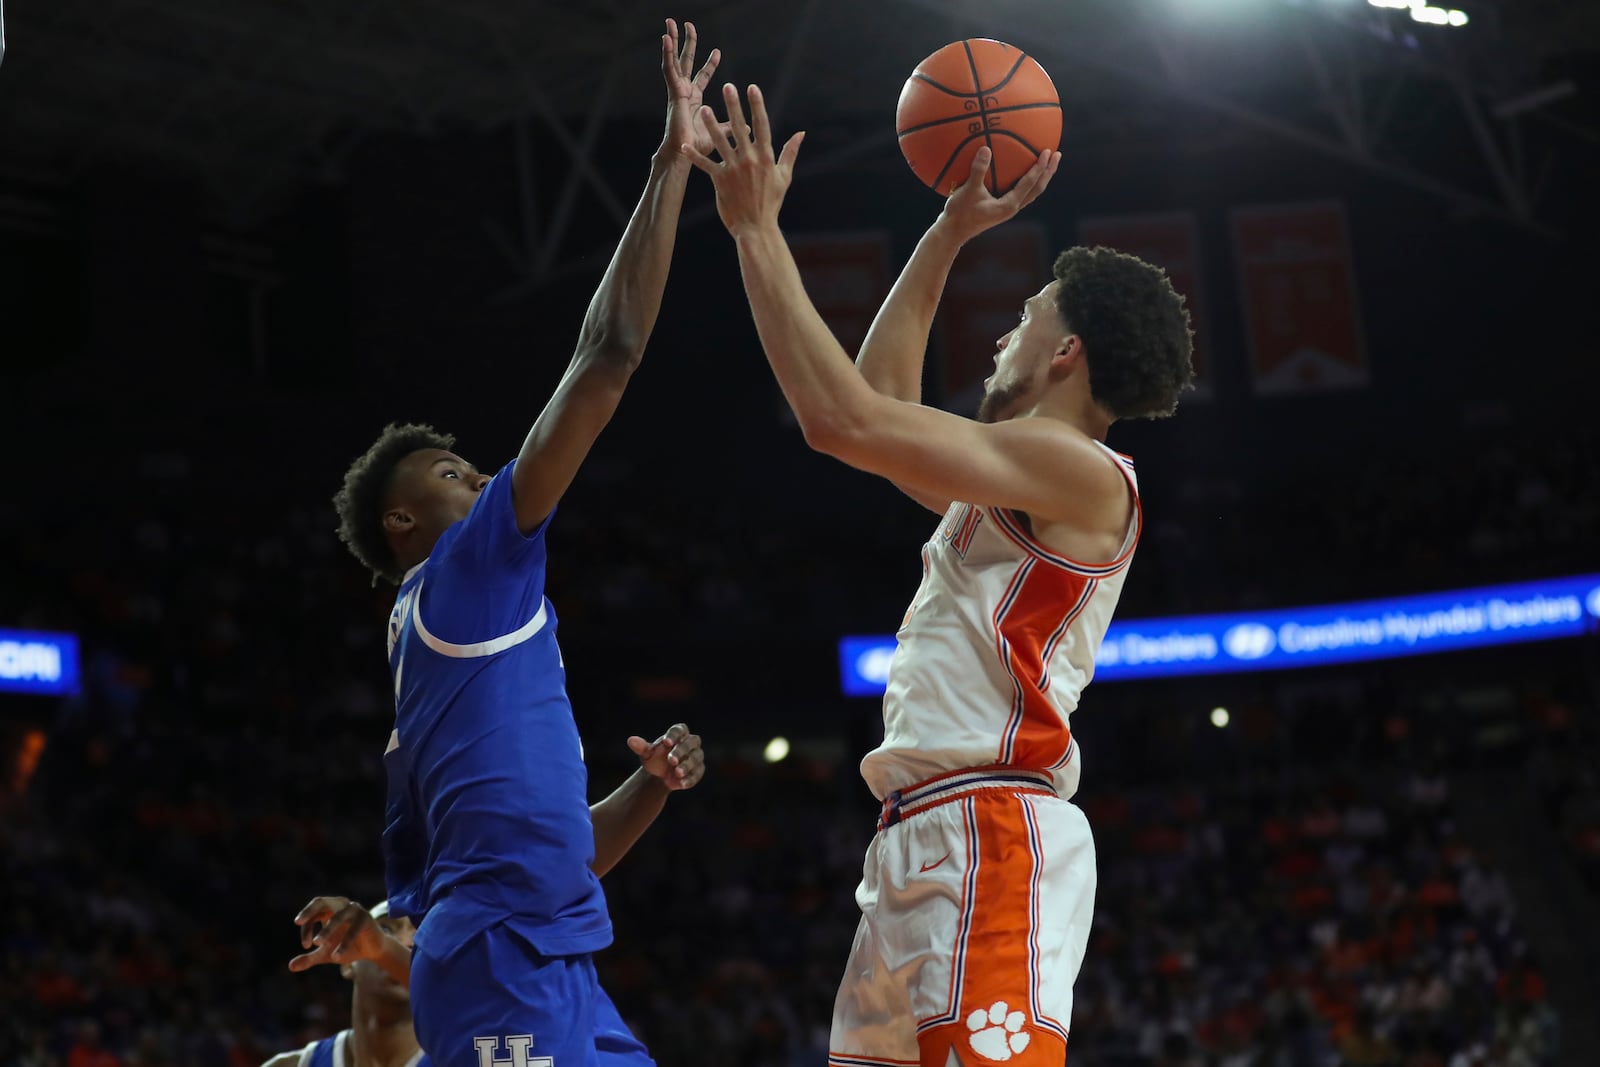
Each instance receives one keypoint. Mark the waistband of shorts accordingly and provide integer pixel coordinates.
(901, 804)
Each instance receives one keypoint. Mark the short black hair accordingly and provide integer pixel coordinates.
(1135, 327)
(366, 488)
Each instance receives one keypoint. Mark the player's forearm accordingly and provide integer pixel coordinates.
(891, 357)
(624, 308)
(829, 397)
(623, 817)
(395, 959)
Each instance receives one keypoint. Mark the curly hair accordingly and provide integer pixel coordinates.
(366, 488)
(1135, 328)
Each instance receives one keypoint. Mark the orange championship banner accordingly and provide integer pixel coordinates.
(1170, 241)
(994, 276)
(1298, 288)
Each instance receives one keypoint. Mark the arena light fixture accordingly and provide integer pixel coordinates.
(777, 750)
(1219, 717)
(1422, 11)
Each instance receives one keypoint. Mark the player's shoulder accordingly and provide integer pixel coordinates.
(290, 1059)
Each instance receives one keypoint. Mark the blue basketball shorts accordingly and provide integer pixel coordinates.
(496, 1002)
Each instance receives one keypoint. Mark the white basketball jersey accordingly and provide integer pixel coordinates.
(995, 650)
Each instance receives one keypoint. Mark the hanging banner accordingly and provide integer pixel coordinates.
(1299, 294)
(994, 275)
(1170, 241)
(847, 276)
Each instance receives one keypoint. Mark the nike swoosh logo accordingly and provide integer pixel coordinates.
(926, 867)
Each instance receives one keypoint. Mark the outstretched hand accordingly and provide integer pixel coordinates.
(685, 88)
(336, 930)
(972, 208)
(750, 180)
(675, 757)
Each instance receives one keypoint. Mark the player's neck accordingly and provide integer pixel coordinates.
(1078, 411)
(380, 1035)
(412, 550)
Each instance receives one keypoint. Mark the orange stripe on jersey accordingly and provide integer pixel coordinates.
(992, 1013)
(1035, 612)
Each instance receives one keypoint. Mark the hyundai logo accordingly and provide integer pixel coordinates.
(1249, 640)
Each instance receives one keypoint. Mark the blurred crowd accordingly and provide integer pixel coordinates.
(1311, 914)
(221, 767)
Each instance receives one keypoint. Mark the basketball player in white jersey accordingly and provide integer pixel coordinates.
(978, 890)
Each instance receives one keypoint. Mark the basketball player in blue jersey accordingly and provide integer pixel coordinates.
(488, 840)
(380, 1033)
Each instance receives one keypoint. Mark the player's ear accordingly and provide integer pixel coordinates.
(1068, 355)
(398, 521)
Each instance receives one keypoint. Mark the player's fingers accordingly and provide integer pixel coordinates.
(980, 166)
(741, 129)
(791, 151)
(720, 142)
(1041, 173)
(675, 733)
(703, 79)
(687, 56)
(341, 937)
(693, 774)
(319, 908)
(1027, 186)
(691, 768)
(760, 125)
(638, 745)
(1052, 163)
(699, 159)
(307, 960)
(338, 927)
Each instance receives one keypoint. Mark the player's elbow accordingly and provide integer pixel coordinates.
(833, 433)
(613, 351)
(896, 387)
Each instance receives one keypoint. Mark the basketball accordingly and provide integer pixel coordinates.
(970, 94)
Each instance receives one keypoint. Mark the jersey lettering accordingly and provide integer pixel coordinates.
(517, 1047)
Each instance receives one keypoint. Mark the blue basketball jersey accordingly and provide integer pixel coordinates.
(329, 1052)
(487, 817)
(335, 1052)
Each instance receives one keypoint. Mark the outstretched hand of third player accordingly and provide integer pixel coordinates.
(336, 930)
(750, 178)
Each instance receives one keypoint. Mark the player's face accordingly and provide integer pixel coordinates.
(434, 489)
(1022, 358)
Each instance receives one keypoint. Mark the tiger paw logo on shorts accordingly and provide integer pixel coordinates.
(997, 1034)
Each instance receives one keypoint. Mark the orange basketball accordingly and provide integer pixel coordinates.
(970, 94)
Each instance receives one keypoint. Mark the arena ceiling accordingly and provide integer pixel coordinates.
(256, 95)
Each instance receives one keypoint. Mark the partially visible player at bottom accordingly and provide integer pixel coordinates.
(374, 949)
(377, 966)
(978, 890)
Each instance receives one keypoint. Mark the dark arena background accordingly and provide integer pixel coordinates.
(1343, 785)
